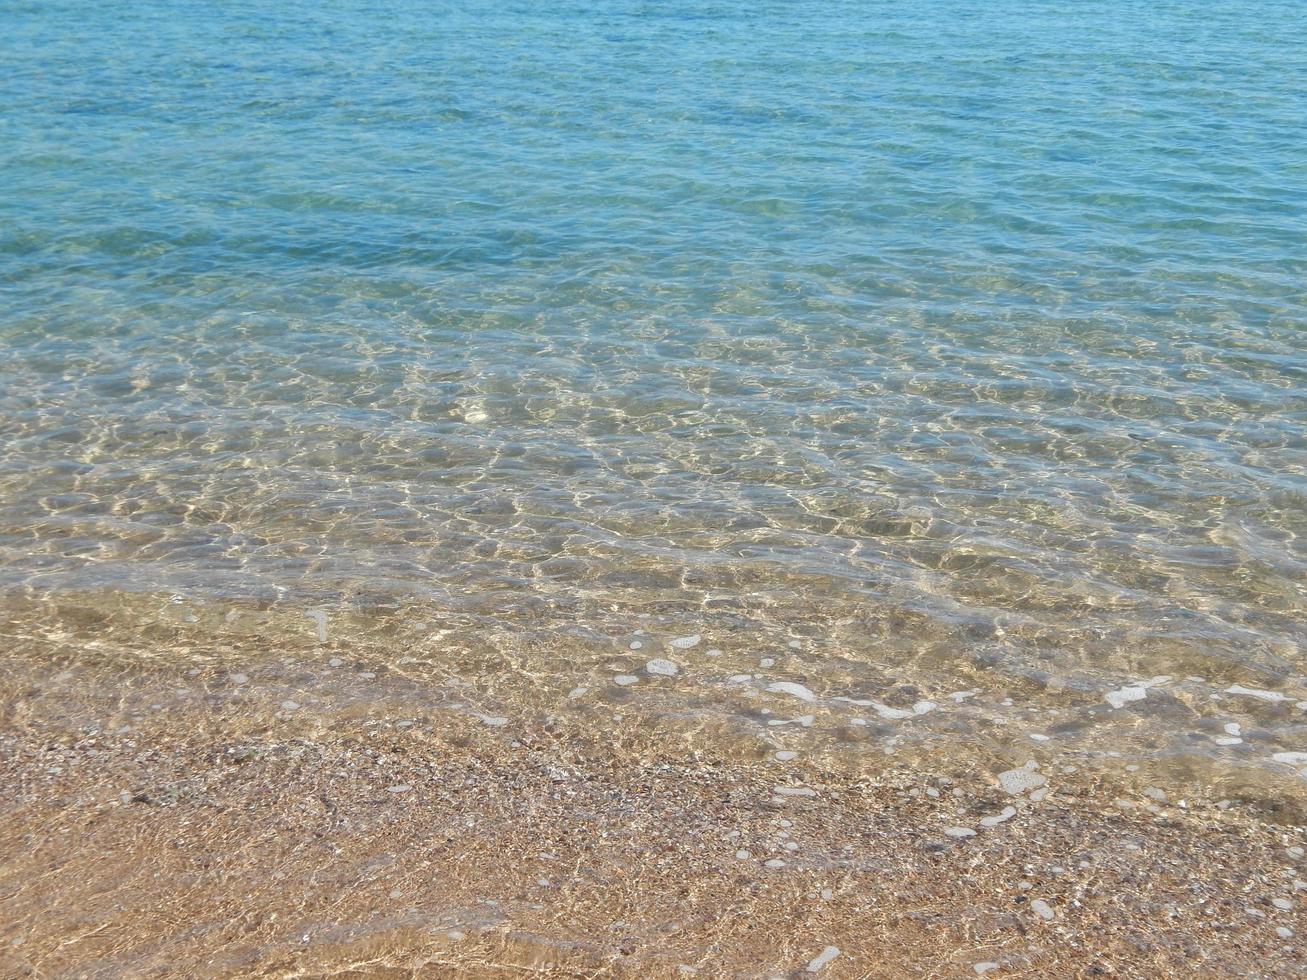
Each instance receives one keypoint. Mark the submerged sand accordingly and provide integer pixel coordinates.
(197, 813)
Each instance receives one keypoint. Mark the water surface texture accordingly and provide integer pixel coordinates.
(946, 342)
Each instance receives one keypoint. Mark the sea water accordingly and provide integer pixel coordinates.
(944, 361)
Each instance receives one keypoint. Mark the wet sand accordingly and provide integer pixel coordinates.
(156, 824)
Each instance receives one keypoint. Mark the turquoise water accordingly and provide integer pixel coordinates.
(979, 329)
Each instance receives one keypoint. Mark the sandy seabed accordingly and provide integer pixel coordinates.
(151, 826)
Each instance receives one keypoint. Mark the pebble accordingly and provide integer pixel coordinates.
(795, 690)
(686, 642)
(786, 756)
(239, 679)
(1291, 758)
(983, 968)
(663, 668)
(1284, 932)
(319, 617)
(1283, 904)
(456, 935)
(335, 662)
(794, 791)
(289, 705)
(636, 645)
(821, 959)
(1018, 781)
(1008, 813)
(625, 680)
(960, 832)
(1252, 692)
(742, 854)
(1042, 909)
(774, 863)
(400, 788)
(1132, 692)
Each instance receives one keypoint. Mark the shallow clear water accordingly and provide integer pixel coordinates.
(962, 344)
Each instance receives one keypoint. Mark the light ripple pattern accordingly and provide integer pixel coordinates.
(983, 327)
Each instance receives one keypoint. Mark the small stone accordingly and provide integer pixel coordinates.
(1251, 692)
(289, 705)
(983, 968)
(1018, 781)
(792, 689)
(662, 668)
(1283, 904)
(1284, 932)
(1042, 909)
(400, 788)
(686, 642)
(786, 756)
(742, 854)
(774, 863)
(625, 680)
(1008, 813)
(960, 832)
(821, 959)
